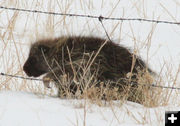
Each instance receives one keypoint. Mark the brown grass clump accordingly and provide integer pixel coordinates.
(98, 92)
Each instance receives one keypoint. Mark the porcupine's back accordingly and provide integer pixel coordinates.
(114, 61)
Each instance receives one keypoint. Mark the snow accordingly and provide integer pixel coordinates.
(22, 108)
(26, 109)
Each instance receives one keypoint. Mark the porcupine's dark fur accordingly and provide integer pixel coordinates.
(74, 56)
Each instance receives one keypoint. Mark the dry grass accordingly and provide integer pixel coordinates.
(142, 94)
(13, 53)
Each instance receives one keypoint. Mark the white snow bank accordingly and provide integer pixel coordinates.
(25, 109)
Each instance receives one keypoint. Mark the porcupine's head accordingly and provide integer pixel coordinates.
(39, 58)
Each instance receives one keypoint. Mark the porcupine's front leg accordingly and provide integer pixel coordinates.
(63, 80)
(47, 80)
(51, 76)
(57, 75)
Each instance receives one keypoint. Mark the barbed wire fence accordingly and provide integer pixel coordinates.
(89, 16)
(100, 18)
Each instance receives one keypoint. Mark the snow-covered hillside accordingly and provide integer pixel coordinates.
(25, 109)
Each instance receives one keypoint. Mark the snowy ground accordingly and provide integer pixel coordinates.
(25, 109)
(157, 44)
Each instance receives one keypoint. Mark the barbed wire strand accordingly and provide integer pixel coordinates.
(27, 78)
(90, 16)
(100, 18)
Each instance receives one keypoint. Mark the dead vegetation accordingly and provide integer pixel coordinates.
(98, 92)
(12, 45)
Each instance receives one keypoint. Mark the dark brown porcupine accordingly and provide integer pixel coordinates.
(70, 61)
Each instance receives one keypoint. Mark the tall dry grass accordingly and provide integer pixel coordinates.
(13, 52)
(13, 62)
